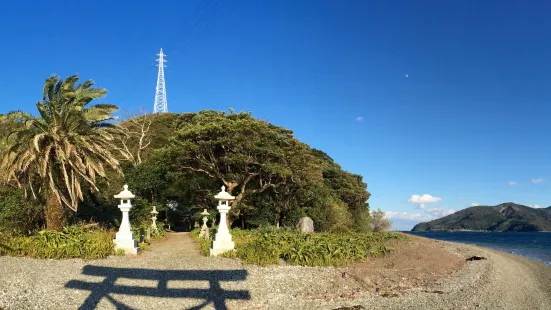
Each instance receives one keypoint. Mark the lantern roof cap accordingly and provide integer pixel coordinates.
(205, 212)
(223, 195)
(125, 194)
(154, 210)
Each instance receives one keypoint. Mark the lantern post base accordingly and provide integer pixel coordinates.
(221, 246)
(125, 241)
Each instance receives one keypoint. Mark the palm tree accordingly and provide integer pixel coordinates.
(66, 146)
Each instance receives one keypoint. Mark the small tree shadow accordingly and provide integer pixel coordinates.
(214, 294)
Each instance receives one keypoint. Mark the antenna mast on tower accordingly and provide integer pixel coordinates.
(160, 105)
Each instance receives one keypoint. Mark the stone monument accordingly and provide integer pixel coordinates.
(204, 229)
(305, 225)
(154, 218)
(222, 240)
(124, 239)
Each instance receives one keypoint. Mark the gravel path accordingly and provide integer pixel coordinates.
(173, 275)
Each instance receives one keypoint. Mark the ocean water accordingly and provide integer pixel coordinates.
(535, 245)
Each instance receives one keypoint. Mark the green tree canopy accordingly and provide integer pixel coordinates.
(248, 156)
(271, 173)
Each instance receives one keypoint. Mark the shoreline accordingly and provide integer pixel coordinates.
(521, 251)
(468, 230)
(501, 281)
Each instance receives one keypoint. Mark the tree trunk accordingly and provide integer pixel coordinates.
(54, 213)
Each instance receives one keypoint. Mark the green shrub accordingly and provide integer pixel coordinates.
(204, 244)
(160, 233)
(72, 242)
(229, 254)
(143, 246)
(362, 220)
(378, 221)
(337, 214)
(268, 246)
(5, 250)
(260, 252)
(19, 215)
(340, 229)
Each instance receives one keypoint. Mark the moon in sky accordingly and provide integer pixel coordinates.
(407, 75)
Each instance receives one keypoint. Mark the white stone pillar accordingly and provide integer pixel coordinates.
(222, 240)
(204, 229)
(154, 218)
(125, 237)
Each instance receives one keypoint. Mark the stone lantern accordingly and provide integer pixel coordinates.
(204, 229)
(125, 237)
(154, 218)
(222, 240)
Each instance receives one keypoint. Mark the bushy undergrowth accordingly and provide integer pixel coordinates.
(160, 233)
(18, 215)
(320, 249)
(72, 242)
(204, 244)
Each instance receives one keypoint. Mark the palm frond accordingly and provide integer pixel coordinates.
(67, 144)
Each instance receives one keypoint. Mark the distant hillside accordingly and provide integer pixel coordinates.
(504, 217)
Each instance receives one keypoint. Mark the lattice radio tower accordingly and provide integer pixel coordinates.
(160, 105)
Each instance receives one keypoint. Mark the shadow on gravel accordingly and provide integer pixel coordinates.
(214, 294)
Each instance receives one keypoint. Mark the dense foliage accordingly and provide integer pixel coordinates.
(18, 215)
(503, 217)
(63, 165)
(276, 179)
(268, 247)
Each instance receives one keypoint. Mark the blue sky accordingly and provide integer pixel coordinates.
(447, 99)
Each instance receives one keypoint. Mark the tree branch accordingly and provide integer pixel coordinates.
(200, 170)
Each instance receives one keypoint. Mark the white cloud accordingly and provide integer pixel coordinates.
(439, 212)
(425, 198)
(428, 215)
(408, 216)
(475, 204)
(512, 183)
(424, 214)
(536, 206)
(538, 180)
(359, 118)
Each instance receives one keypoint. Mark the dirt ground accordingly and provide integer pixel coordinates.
(418, 262)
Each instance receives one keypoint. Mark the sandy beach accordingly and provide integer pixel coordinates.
(426, 274)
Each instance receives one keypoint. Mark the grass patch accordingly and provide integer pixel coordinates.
(204, 244)
(71, 242)
(319, 249)
(143, 246)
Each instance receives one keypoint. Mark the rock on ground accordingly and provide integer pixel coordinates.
(305, 225)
